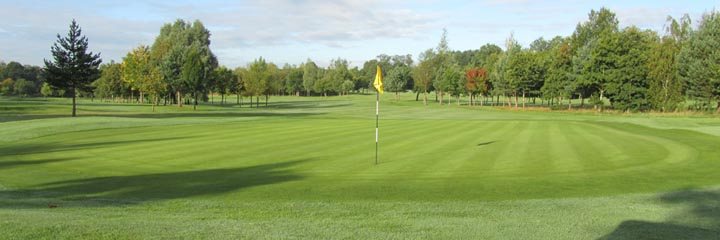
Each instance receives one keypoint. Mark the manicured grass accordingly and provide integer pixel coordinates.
(304, 168)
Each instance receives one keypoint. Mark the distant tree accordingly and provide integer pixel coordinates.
(338, 72)
(558, 84)
(367, 74)
(7, 86)
(294, 81)
(256, 79)
(347, 86)
(480, 59)
(323, 84)
(135, 67)
(452, 82)
(627, 84)
(540, 45)
(169, 53)
(224, 81)
(13, 70)
(72, 68)
(146, 77)
(699, 61)
(666, 87)
(539, 63)
(423, 73)
(396, 80)
(24, 87)
(356, 76)
(442, 60)
(476, 82)
(590, 44)
(192, 73)
(47, 90)
(274, 81)
(310, 75)
(511, 70)
(518, 74)
(239, 88)
(110, 84)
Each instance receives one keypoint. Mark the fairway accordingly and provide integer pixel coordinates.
(304, 168)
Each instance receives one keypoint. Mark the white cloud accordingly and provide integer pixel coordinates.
(329, 23)
(643, 17)
(293, 30)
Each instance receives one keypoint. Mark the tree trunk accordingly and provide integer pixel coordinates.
(582, 101)
(718, 107)
(154, 103)
(425, 98)
(251, 103)
(74, 97)
(238, 99)
(266, 100)
(441, 97)
(179, 98)
(196, 102)
(523, 99)
(569, 103)
(142, 98)
(417, 96)
(515, 95)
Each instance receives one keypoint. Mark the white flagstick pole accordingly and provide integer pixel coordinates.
(377, 113)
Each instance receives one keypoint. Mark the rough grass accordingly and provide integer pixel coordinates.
(304, 168)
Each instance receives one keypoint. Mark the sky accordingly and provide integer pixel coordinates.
(293, 31)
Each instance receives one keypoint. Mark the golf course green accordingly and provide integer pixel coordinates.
(304, 167)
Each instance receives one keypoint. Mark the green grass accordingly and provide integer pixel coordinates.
(304, 168)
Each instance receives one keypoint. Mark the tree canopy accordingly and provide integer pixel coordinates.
(73, 68)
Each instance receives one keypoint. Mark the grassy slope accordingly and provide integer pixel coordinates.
(304, 169)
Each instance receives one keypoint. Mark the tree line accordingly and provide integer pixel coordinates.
(600, 64)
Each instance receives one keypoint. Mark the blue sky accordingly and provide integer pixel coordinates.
(294, 30)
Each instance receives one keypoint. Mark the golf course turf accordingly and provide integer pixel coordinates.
(303, 167)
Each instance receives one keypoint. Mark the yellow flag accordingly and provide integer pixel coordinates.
(378, 80)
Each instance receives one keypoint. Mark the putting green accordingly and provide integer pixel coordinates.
(304, 168)
(320, 159)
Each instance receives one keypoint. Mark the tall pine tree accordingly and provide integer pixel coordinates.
(73, 68)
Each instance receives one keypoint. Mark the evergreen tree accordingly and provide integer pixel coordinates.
(699, 61)
(73, 68)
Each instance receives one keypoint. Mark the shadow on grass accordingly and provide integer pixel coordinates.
(201, 115)
(701, 220)
(9, 164)
(486, 143)
(36, 148)
(29, 109)
(297, 104)
(130, 190)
